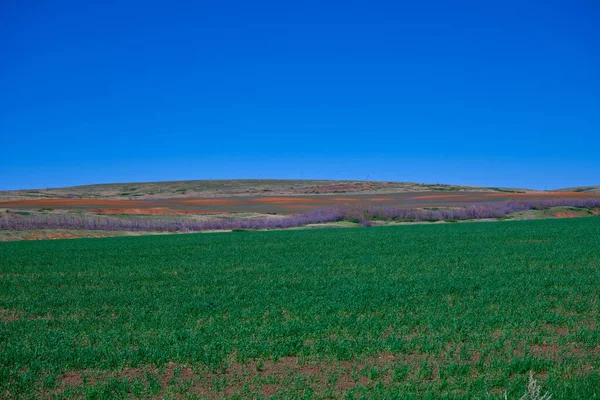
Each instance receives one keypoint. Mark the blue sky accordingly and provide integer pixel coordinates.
(483, 93)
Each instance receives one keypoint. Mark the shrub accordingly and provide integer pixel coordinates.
(361, 214)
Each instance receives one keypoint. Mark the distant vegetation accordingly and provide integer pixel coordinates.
(238, 187)
(361, 214)
(583, 189)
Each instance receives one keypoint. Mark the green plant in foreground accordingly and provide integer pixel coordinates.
(533, 391)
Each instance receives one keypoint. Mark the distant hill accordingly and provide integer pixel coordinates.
(239, 187)
(582, 189)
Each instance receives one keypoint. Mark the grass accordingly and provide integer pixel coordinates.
(422, 311)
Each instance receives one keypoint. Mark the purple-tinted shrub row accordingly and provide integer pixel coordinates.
(364, 215)
(480, 211)
(54, 221)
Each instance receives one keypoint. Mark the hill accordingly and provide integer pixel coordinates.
(238, 187)
(582, 189)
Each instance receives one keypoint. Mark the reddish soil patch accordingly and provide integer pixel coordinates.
(545, 350)
(71, 202)
(214, 202)
(204, 211)
(562, 331)
(269, 389)
(305, 200)
(135, 211)
(567, 214)
(72, 379)
(437, 196)
(65, 235)
(33, 236)
(265, 377)
(286, 200)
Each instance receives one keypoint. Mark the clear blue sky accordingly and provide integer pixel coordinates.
(503, 93)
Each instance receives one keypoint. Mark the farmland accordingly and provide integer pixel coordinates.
(195, 206)
(422, 311)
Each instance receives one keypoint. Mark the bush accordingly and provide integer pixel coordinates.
(363, 215)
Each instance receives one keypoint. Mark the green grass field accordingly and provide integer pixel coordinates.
(422, 311)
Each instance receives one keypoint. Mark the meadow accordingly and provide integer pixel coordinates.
(422, 311)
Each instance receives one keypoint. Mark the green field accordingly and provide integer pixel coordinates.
(422, 311)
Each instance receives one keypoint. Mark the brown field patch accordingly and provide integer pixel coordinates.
(263, 377)
(134, 211)
(437, 196)
(567, 214)
(285, 200)
(72, 379)
(204, 211)
(559, 330)
(545, 350)
(306, 200)
(214, 202)
(71, 202)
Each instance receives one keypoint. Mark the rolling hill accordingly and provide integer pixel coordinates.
(238, 187)
(582, 189)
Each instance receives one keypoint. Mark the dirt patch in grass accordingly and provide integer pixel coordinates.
(10, 315)
(546, 350)
(562, 331)
(72, 379)
(497, 334)
(263, 377)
